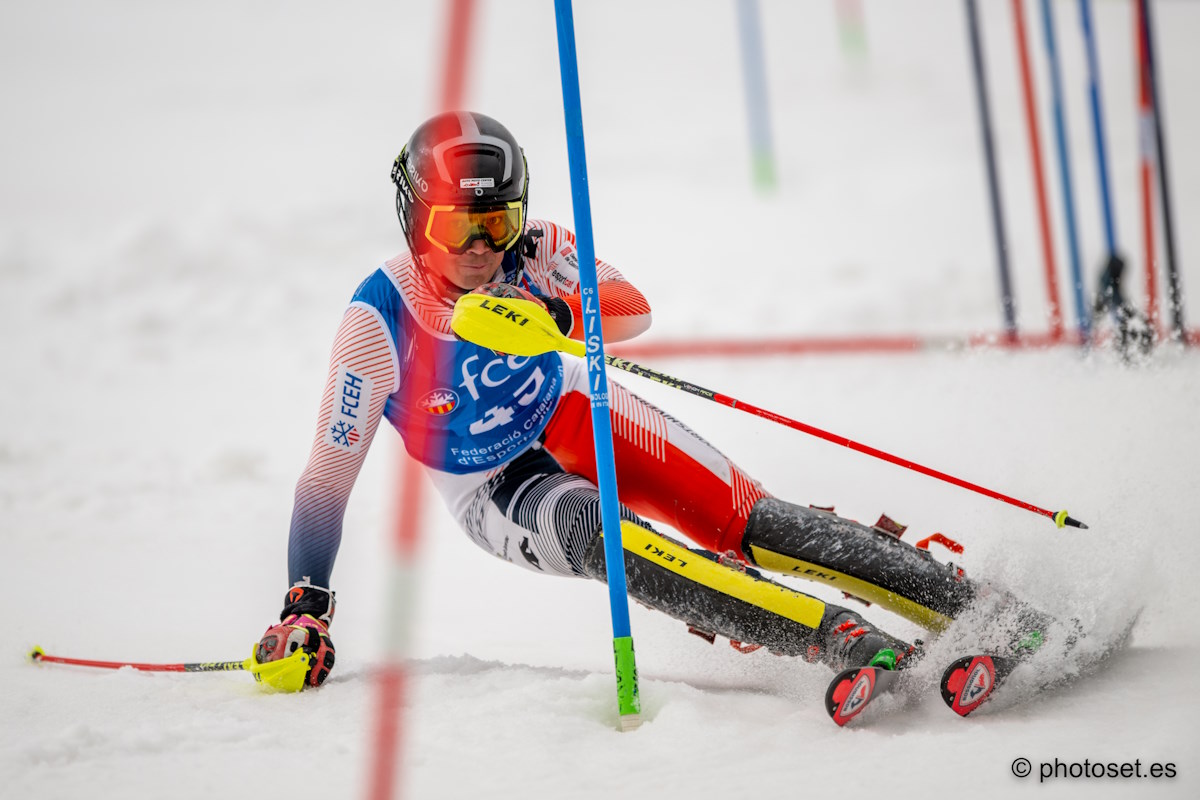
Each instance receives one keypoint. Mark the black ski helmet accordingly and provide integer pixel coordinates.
(464, 160)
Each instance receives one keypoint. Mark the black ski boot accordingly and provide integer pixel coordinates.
(848, 641)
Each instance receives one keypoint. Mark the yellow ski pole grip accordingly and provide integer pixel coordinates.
(510, 325)
(286, 675)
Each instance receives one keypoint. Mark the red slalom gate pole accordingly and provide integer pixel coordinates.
(1035, 149)
(1146, 168)
(458, 34)
(391, 680)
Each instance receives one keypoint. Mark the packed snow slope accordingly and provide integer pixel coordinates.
(191, 193)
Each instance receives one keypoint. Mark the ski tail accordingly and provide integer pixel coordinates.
(972, 680)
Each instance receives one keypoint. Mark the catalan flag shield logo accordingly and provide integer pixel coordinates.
(439, 401)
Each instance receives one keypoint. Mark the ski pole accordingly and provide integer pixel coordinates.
(524, 328)
(39, 655)
(286, 674)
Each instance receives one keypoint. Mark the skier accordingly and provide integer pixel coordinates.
(507, 440)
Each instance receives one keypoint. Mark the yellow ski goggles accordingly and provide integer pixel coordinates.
(451, 229)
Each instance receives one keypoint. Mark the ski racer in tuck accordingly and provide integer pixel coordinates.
(507, 440)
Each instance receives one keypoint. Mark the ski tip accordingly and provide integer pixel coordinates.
(36, 654)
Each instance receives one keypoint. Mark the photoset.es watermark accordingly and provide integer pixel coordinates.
(1087, 769)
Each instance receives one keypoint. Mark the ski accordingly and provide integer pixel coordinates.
(852, 690)
(972, 680)
(965, 685)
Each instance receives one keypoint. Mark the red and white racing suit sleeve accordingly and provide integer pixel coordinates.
(363, 372)
(555, 271)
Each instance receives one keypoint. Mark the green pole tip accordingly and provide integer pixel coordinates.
(629, 701)
(36, 653)
(764, 171)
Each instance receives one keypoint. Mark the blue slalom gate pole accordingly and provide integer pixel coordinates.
(1093, 62)
(754, 75)
(628, 698)
(1064, 172)
(989, 154)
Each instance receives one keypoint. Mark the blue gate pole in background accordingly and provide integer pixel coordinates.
(754, 74)
(628, 699)
(1064, 172)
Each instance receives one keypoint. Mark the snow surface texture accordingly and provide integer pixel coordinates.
(192, 191)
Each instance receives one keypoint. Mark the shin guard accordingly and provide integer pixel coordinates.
(696, 588)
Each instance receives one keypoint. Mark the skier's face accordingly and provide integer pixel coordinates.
(470, 270)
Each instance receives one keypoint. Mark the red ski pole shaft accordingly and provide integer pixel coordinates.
(37, 654)
(1060, 518)
(522, 327)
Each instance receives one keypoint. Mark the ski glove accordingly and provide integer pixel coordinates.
(560, 312)
(558, 309)
(303, 623)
